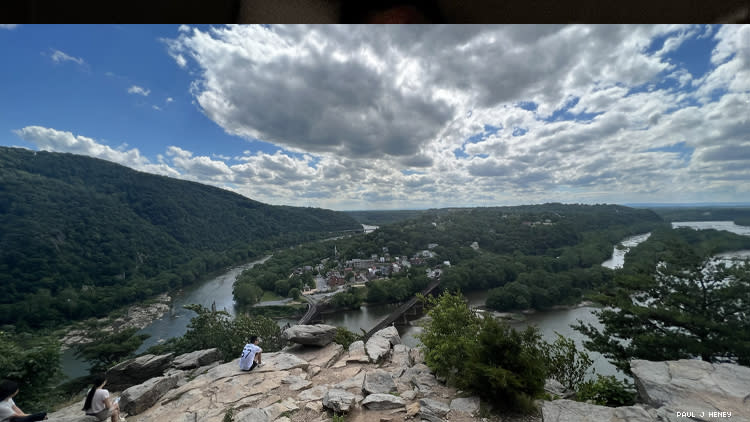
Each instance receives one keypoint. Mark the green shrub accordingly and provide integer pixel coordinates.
(607, 391)
(565, 363)
(345, 337)
(33, 362)
(489, 358)
(216, 329)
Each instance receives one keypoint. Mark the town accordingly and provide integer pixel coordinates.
(334, 273)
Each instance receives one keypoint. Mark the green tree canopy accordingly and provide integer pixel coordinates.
(681, 311)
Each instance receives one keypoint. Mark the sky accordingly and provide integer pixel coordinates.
(395, 117)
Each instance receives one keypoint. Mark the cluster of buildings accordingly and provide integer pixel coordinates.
(359, 271)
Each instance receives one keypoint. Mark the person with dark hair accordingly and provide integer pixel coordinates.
(9, 412)
(98, 404)
(251, 355)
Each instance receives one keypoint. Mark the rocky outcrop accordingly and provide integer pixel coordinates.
(340, 401)
(196, 359)
(379, 345)
(381, 401)
(574, 411)
(378, 381)
(136, 371)
(433, 410)
(694, 387)
(357, 352)
(468, 405)
(138, 398)
(311, 335)
(301, 383)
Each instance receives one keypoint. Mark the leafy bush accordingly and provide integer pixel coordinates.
(565, 363)
(216, 329)
(489, 358)
(345, 337)
(108, 349)
(33, 362)
(607, 391)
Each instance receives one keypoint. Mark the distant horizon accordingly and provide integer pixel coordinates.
(355, 117)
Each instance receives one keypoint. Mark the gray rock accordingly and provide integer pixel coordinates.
(340, 401)
(357, 352)
(434, 407)
(554, 387)
(252, 415)
(465, 404)
(138, 398)
(573, 411)
(383, 402)
(136, 371)
(409, 395)
(694, 386)
(379, 345)
(378, 381)
(416, 356)
(275, 410)
(315, 393)
(197, 359)
(312, 335)
(400, 356)
(355, 382)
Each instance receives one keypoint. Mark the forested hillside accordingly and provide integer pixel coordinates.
(534, 256)
(81, 236)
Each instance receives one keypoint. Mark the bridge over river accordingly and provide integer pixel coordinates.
(313, 311)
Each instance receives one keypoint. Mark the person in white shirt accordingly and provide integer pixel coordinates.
(98, 404)
(251, 355)
(9, 412)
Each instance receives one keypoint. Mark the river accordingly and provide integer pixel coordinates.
(219, 290)
(174, 323)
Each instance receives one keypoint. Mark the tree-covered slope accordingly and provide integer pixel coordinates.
(80, 236)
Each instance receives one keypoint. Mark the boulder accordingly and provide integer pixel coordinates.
(252, 415)
(400, 356)
(694, 386)
(340, 401)
(324, 356)
(465, 404)
(312, 335)
(197, 359)
(357, 352)
(355, 382)
(434, 407)
(378, 381)
(416, 356)
(135, 371)
(140, 397)
(315, 393)
(573, 411)
(379, 345)
(555, 388)
(383, 402)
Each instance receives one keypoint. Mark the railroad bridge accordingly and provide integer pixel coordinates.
(400, 315)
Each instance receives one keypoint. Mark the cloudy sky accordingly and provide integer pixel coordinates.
(376, 117)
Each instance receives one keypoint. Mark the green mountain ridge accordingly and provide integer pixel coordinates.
(80, 236)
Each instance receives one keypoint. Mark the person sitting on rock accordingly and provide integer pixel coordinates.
(98, 403)
(9, 412)
(251, 355)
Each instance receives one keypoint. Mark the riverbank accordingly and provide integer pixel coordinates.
(136, 316)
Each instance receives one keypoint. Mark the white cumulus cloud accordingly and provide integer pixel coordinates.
(137, 90)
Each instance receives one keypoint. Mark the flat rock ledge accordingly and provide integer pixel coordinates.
(308, 384)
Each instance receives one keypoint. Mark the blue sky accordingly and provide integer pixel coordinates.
(394, 117)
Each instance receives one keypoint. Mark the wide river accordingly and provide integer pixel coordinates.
(218, 290)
